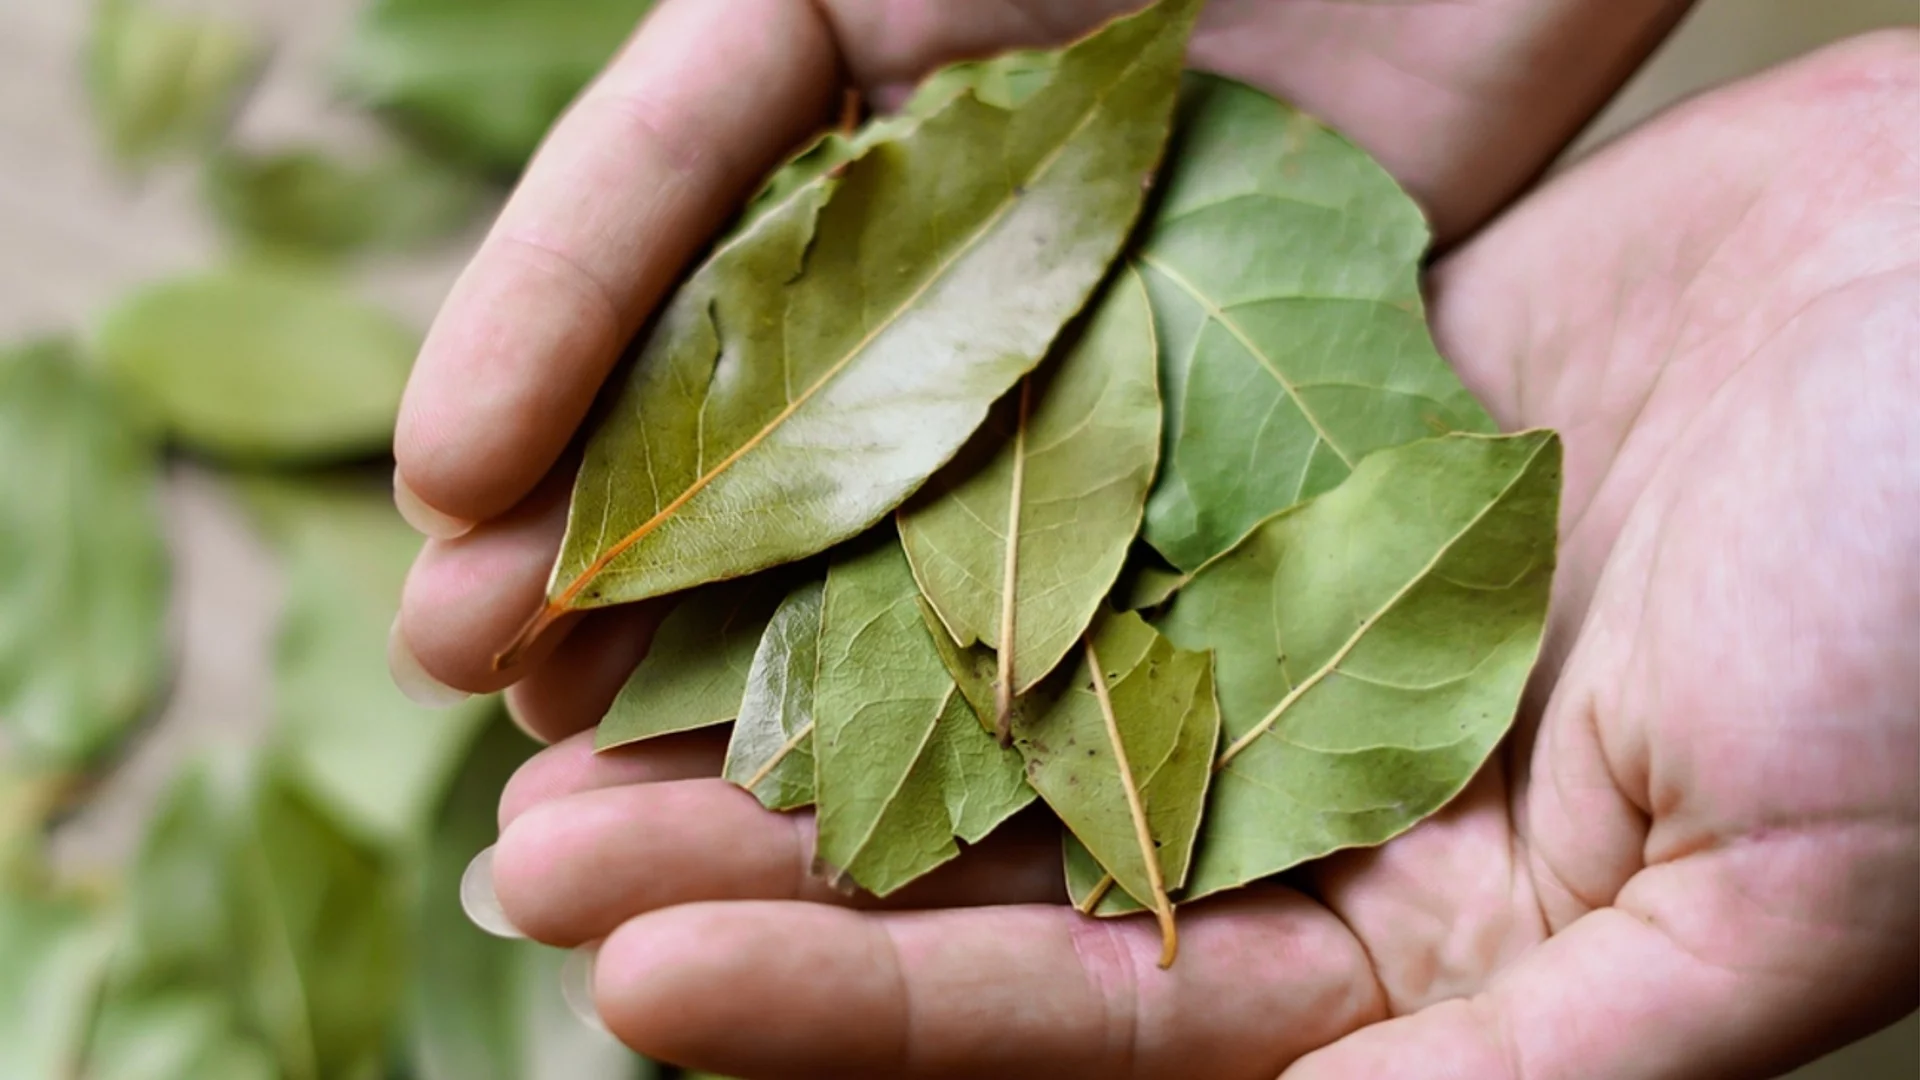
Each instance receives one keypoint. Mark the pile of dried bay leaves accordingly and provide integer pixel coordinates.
(1072, 434)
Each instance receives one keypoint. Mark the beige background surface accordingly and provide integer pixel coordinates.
(73, 235)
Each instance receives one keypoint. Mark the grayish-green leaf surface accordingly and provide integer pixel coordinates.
(164, 79)
(1169, 725)
(174, 1034)
(483, 79)
(53, 957)
(1037, 514)
(83, 569)
(483, 1008)
(902, 764)
(1371, 647)
(263, 365)
(245, 891)
(821, 365)
(1283, 264)
(695, 673)
(771, 753)
(305, 202)
(377, 760)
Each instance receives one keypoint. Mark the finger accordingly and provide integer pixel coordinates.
(1002, 992)
(572, 766)
(1463, 103)
(573, 689)
(572, 869)
(466, 598)
(629, 185)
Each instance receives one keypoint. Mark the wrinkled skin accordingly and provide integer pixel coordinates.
(1699, 855)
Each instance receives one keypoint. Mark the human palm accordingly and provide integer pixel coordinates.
(1698, 855)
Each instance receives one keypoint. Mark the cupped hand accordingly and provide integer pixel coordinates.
(1700, 852)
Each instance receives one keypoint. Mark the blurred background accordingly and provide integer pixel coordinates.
(228, 848)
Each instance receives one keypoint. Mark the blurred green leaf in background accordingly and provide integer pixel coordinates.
(290, 909)
(163, 80)
(262, 364)
(83, 569)
(482, 79)
(310, 202)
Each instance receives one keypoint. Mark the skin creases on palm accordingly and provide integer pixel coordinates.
(1722, 740)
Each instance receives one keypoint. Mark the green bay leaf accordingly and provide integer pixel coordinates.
(771, 753)
(1283, 265)
(902, 765)
(83, 566)
(305, 202)
(55, 951)
(373, 759)
(482, 80)
(1124, 755)
(161, 1033)
(262, 365)
(165, 80)
(695, 673)
(246, 892)
(827, 360)
(1027, 530)
(1371, 648)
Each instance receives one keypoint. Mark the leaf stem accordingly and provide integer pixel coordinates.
(1010, 572)
(1096, 894)
(1162, 904)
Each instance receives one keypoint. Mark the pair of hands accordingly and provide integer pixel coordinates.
(1699, 854)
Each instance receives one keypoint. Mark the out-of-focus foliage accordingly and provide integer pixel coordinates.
(162, 80)
(262, 364)
(247, 891)
(53, 952)
(379, 762)
(292, 912)
(83, 574)
(313, 203)
(482, 79)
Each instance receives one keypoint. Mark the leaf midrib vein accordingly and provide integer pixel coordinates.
(1220, 315)
(1367, 624)
(1011, 199)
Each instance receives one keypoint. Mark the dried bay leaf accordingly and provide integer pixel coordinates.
(482, 79)
(374, 760)
(827, 360)
(246, 893)
(1283, 265)
(306, 202)
(163, 80)
(55, 951)
(771, 754)
(695, 673)
(262, 365)
(902, 766)
(1016, 542)
(1124, 756)
(1371, 647)
(83, 565)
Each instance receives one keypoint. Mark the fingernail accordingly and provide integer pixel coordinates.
(419, 687)
(425, 519)
(480, 902)
(576, 985)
